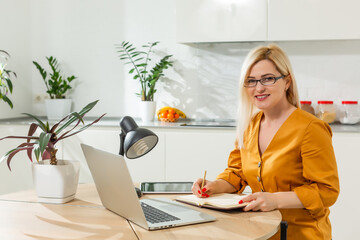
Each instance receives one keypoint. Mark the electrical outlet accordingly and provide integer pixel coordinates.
(40, 98)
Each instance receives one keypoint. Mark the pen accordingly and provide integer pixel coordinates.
(203, 181)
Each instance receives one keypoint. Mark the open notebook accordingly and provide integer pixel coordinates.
(223, 201)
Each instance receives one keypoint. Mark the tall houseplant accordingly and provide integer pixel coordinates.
(57, 86)
(6, 85)
(54, 179)
(139, 61)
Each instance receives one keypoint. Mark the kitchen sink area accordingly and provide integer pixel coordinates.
(210, 123)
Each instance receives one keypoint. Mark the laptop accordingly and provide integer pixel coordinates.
(117, 193)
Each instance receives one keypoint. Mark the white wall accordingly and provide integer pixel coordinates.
(14, 38)
(203, 82)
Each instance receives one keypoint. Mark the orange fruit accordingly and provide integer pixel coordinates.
(163, 115)
(170, 116)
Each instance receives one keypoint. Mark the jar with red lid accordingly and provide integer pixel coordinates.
(349, 113)
(326, 111)
(306, 106)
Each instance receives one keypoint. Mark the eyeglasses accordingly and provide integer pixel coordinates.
(264, 81)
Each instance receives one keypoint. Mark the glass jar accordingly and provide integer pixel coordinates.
(306, 106)
(326, 111)
(349, 113)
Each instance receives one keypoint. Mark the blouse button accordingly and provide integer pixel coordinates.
(259, 164)
(258, 178)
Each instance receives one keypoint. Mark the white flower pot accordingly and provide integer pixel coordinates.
(56, 183)
(56, 109)
(147, 110)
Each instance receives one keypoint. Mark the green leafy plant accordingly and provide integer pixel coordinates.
(56, 85)
(6, 85)
(140, 61)
(44, 144)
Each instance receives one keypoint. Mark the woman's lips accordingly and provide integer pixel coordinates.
(262, 97)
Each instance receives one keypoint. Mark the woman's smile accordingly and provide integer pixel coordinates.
(261, 97)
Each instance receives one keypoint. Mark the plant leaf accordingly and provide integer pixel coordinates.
(82, 112)
(12, 153)
(9, 83)
(41, 124)
(8, 101)
(78, 122)
(52, 130)
(21, 137)
(37, 151)
(82, 129)
(43, 141)
(46, 155)
(32, 130)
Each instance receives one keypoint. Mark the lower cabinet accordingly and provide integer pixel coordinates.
(180, 155)
(344, 213)
(189, 154)
(150, 167)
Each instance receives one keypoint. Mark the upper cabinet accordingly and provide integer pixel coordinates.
(266, 20)
(313, 19)
(221, 20)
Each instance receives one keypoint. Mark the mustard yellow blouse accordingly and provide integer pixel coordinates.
(299, 158)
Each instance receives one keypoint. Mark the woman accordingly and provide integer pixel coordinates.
(282, 152)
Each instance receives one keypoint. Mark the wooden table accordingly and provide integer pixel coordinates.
(21, 217)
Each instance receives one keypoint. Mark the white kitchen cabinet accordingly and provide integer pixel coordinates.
(313, 20)
(150, 167)
(180, 155)
(344, 213)
(221, 21)
(190, 153)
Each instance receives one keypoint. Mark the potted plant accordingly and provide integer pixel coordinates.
(5, 80)
(57, 86)
(139, 61)
(55, 180)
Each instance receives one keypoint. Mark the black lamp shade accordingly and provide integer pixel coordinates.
(135, 142)
(138, 143)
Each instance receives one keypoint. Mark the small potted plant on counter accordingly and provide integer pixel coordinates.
(139, 61)
(55, 180)
(57, 86)
(6, 85)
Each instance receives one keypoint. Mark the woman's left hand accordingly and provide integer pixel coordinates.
(261, 201)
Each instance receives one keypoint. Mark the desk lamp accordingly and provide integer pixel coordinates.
(134, 141)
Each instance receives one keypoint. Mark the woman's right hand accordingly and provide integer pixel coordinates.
(208, 189)
(212, 187)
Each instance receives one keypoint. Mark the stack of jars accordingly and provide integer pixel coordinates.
(348, 113)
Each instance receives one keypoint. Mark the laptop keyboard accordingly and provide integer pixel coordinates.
(154, 215)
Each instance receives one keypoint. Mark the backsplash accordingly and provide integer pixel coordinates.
(324, 70)
(203, 82)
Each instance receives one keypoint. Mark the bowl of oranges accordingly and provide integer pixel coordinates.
(169, 114)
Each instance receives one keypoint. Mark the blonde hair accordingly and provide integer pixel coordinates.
(281, 61)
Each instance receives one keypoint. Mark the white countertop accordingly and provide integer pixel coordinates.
(182, 123)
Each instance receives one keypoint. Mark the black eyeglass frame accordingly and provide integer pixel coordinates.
(262, 79)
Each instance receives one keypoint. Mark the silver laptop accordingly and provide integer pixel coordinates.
(117, 193)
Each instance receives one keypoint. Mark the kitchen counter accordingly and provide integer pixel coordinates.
(115, 121)
(182, 123)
